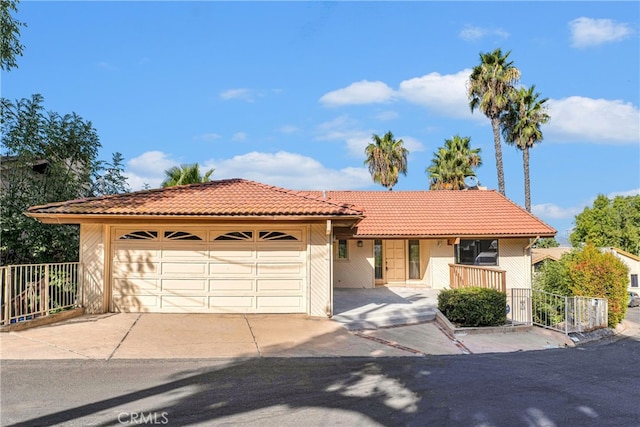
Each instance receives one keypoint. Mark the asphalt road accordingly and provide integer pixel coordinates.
(593, 385)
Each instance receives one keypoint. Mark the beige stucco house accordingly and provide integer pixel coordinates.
(632, 262)
(238, 246)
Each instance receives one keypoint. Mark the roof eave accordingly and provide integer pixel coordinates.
(53, 218)
(453, 236)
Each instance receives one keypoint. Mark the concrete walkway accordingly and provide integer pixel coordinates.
(382, 322)
(383, 306)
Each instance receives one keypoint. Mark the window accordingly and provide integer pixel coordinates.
(377, 250)
(140, 235)
(236, 235)
(343, 249)
(276, 235)
(477, 252)
(634, 280)
(414, 259)
(180, 235)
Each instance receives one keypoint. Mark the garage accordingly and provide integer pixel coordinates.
(230, 269)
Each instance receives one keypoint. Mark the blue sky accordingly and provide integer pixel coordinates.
(289, 93)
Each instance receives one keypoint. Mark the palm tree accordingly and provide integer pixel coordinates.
(521, 127)
(185, 174)
(386, 158)
(452, 163)
(491, 85)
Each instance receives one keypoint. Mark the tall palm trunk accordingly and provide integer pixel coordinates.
(495, 123)
(527, 185)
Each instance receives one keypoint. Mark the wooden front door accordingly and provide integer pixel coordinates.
(394, 261)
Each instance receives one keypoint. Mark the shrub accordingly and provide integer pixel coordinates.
(553, 277)
(473, 306)
(600, 275)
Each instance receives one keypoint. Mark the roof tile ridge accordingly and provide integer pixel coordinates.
(305, 194)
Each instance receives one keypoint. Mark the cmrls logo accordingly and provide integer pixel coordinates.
(137, 418)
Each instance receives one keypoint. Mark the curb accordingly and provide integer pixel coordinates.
(443, 321)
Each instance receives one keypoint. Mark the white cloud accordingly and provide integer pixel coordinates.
(473, 33)
(362, 92)
(595, 120)
(444, 94)
(586, 32)
(148, 168)
(411, 144)
(634, 192)
(289, 170)
(241, 93)
(552, 211)
(283, 169)
(345, 129)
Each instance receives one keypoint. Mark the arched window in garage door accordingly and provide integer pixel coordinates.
(276, 235)
(139, 235)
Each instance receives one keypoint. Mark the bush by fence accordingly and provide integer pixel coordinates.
(473, 306)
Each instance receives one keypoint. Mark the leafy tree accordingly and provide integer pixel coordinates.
(10, 45)
(452, 163)
(387, 159)
(553, 277)
(588, 272)
(491, 87)
(185, 174)
(109, 177)
(521, 127)
(47, 157)
(610, 223)
(547, 242)
(600, 274)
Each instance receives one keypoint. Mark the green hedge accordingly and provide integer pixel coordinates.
(474, 306)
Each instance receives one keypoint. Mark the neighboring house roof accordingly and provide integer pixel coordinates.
(433, 213)
(381, 213)
(540, 254)
(223, 198)
(623, 253)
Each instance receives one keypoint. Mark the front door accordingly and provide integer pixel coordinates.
(394, 261)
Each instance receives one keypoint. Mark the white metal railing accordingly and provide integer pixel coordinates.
(35, 290)
(557, 312)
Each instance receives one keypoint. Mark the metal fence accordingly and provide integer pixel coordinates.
(557, 312)
(33, 290)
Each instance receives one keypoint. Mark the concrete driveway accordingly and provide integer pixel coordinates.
(381, 322)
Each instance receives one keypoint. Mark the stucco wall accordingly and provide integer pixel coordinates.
(358, 271)
(92, 256)
(319, 271)
(438, 269)
(516, 261)
(632, 264)
(512, 258)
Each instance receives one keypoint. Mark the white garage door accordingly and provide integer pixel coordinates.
(214, 270)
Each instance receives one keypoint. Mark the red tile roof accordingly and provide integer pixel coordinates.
(386, 213)
(230, 197)
(441, 213)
